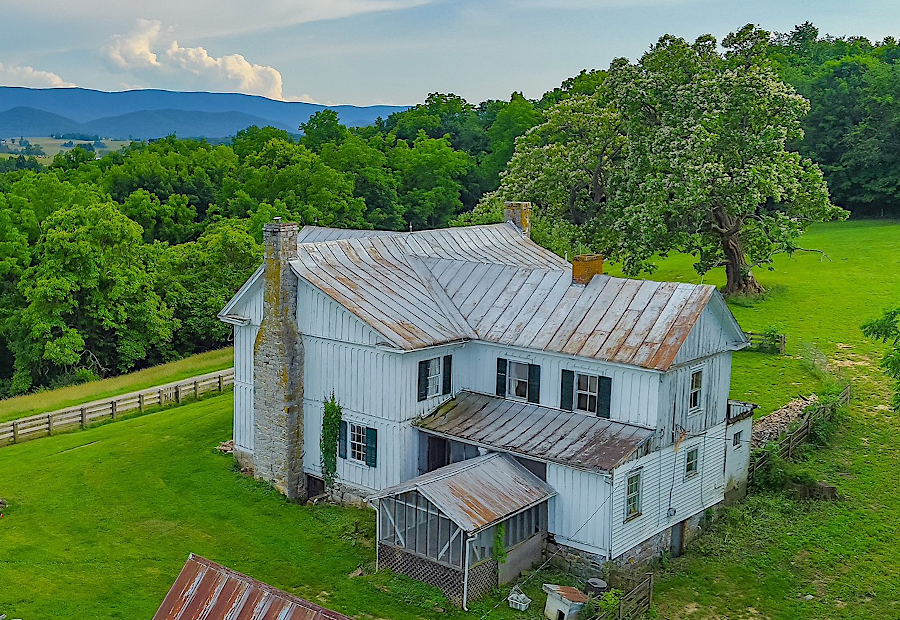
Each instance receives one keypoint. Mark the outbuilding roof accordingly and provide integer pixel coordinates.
(538, 432)
(478, 492)
(205, 590)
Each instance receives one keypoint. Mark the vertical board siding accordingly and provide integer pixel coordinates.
(707, 337)
(661, 472)
(244, 341)
(675, 397)
(580, 494)
(319, 315)
(737, 459)
(634, 391)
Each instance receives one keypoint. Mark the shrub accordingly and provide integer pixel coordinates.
(772, 476)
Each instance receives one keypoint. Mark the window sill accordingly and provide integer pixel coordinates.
(632, 517)
(691, 476)
(694, 412)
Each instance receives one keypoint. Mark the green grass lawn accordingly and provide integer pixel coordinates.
(101, 520)
(39, 402)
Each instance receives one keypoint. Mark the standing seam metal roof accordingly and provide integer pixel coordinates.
(478, 492)
(205, 590)
(489, 283)
(564, 437)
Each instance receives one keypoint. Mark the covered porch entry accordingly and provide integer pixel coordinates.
(441, 527)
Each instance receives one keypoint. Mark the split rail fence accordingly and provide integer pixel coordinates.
(791, 441)
(43, 424)
(767, 341)
(633, 604)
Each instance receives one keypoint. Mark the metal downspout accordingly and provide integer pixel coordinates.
(465, 604)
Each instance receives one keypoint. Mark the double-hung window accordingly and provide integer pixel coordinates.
(633, 496)
(692, 463)
(695, 399)
(736, 439)
(358, 443)
(517, 377)
(587, 391)
(434, 376)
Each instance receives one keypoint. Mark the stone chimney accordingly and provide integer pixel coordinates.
(518, 214)
(278, 369)
(585, 267)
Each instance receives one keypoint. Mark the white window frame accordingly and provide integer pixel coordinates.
(435, 377)
(687, 461)
(736, 440)
(588, 393)
(636, 494)
(356, 440)
(511, 379)
(692, 408)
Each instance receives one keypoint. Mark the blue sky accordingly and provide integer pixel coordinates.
(374, 51)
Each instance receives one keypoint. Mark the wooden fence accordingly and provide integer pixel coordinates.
(44, 424)
(792, 440)
(635, 603)
(767, 341)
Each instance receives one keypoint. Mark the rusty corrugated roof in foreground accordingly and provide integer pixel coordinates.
(205, 590)
(548, 434)
(478, 492)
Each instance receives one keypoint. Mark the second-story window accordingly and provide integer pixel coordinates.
(586, 393)
(435, 376)
(518, 380)
(696, 396)
(633, 496)
(692, 463)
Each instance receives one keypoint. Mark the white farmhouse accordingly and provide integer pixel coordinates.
(607, 398)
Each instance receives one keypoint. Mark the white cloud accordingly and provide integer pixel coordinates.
(141, 51)
(232, 69)
(133, 50)
(29, 76)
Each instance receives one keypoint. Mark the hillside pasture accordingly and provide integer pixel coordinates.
(100, 521)
(51, 400)
(52, 146)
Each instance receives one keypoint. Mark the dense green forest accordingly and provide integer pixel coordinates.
(122, 262)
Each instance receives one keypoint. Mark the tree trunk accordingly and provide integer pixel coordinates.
(740, 280)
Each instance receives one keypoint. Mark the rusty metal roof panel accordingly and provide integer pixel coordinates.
(205, 590)
(478, 492)
(431, 287)
(548, 434)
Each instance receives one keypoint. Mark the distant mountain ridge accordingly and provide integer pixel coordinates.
(143, 114)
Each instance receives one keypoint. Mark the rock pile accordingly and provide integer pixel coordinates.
(773, 425)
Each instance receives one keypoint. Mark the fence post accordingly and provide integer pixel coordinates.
(178, 393)
(50, 424)
(221, 386)
(83, 417)
(112, 409)
(160, 397)
(16, 432)
(141, 402)
(196, 389)
(650, 591)
(781, 344)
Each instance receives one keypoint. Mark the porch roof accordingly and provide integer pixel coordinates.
(534, 431)
(478, 492)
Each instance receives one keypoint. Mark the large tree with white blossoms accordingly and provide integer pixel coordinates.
(685, 150)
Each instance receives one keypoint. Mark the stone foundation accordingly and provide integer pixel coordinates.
(580, 563)
(244, 459)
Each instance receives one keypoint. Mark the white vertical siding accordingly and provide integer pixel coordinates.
(737, 458)
(580, 512)
(635, 391)
(707, 337)
(662, 476)
(675, 397)
(319, 315)
(244, 340)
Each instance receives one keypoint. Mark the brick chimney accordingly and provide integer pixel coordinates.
(518, 214)
(278, 369)
(585, 267)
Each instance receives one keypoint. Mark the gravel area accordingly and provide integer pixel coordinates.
(771, 426)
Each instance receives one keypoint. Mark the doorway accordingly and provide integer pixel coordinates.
(676, 548)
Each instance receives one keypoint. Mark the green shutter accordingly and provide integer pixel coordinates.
(604, 398)
(567, 391)
(342, 440)
(501, 376)
(534, 383)
(448, 375)
(371, 447)
(423, 381)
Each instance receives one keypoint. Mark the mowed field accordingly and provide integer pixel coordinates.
(100, 521)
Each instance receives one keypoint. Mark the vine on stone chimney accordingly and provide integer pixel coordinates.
(331, 428)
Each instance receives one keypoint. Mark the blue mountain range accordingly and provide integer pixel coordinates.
(145, 114)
